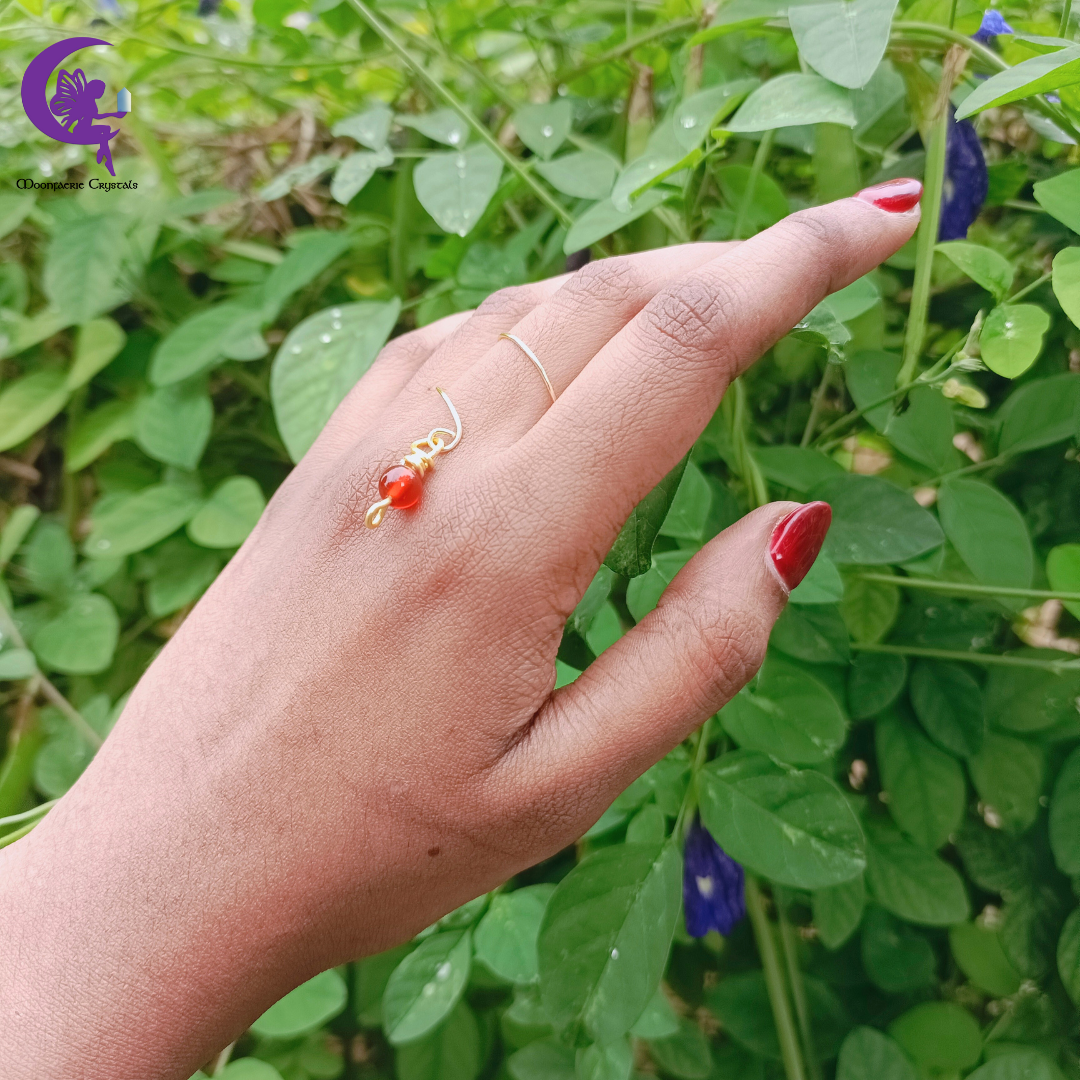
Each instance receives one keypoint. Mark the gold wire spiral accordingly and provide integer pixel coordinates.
(421, 458)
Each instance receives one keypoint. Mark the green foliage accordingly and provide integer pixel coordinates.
(903, 775)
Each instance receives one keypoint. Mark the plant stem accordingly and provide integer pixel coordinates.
(978, 466)
(798, 988)
(756, 169)
(398, 238)
(570, 74)
(774, 981)
(700, 753)
(18, 834)
(819, 400)
(1066, 12)
(463, 111)
(28, 815)
(1030, 288)
(735, 413)
(963, 588)
(924, 246)
(1058, 667)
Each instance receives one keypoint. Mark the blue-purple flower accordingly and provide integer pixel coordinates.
(966, 179)
(713, 896)
(993, 23)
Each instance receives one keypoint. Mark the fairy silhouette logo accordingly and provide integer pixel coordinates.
(69, 115)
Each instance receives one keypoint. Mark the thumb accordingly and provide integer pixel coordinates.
(687, 658)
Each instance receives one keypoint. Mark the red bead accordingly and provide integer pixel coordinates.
(402, 486)
(896, 196)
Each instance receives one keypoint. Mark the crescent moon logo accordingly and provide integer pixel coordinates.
(80, 100)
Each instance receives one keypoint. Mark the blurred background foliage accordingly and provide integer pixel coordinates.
(882, 832)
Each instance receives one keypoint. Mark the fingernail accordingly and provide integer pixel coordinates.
(896, 196)
(797, 539)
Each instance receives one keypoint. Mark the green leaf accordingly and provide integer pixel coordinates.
(544, 128)
(585, 174)
(96, 432)
(352, 175)
(1040, 414)
(926, 789)
(1065, 817)
(787, 714)
(312, 253)
(304, 1009)
(97, 343)
(1008, 774)
(81, 266)
(875, 522)
(320, 362)
(604, 218)
(451, 1052)
(230, 513)
(545, 1059)
(455, 187)
(14, 206)
(949, 705)
(795, 828)
(869, 1054)
(60, 762)
(741, 1003)
(896, 956)
(137, 521)
(871, 376)
(631, 554)
(938, 1035)
(913, 883)
(795, 467)
(370, 128)
(1012, 338)
(426, 986)
(1063, 572)
(1025, 699)
(201, 341)
(684, 1054)
(1068, 956)
(1033, 918)
(768, 203)
(869, 608)
(838, 910)
(1050, 71)
(1066, 281)
(982, 264)
(172, 423)
(815, 634)
(822, 584)
(981, 958)
(81, 640)
(1019, 1064)
(247, 1068)
(1060, 197)
(17, 664)
(843, 40)
(297, 176)
(183, 572)
(696, 115)
(790, 100)
(605, 937)
(445, 126)
(853, 300)
(18, 525)
(506, 936)
(49, 560)
(607, 1061)
(29, 403)
(658, 1020)
(688, 515)
(988, 531)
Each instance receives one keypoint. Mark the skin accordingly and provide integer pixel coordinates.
(355, 731)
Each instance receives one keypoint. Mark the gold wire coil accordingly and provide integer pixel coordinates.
(535, 359)
(421, 458)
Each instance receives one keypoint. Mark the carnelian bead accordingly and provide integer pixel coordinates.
(402, 486)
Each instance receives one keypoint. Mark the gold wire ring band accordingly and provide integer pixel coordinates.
(532, 356)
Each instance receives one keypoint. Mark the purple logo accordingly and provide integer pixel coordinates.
(74, 101)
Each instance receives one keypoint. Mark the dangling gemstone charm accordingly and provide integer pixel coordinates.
(402, 485)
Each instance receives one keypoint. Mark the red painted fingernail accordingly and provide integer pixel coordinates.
(896, 196)
(797, 539)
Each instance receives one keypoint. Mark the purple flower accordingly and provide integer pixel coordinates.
(992, 25)
(966, 180)
(712, 885)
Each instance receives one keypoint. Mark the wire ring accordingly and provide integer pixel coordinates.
(533, 357)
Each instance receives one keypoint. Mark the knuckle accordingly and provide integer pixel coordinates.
(512, 302)
(689, 319)
(617, 280)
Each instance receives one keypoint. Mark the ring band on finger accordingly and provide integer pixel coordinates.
(535, 359)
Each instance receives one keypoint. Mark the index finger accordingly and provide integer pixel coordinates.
(639, 404)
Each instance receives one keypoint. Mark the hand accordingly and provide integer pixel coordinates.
(355, 731)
